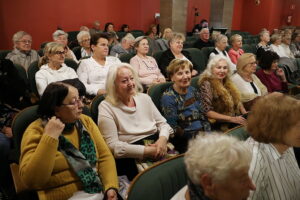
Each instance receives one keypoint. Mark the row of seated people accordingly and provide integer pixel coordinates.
(119, 120)
(122, 85)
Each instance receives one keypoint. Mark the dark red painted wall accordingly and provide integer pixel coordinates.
(203, 7)
(40, 18)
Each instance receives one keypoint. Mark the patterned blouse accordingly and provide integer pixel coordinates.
(184, 111)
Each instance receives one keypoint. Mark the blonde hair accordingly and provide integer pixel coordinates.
(49, 49)
(234, 38)
(112, 96)
(177, 36)
(243, 61)
(213, 63)
(217, 155)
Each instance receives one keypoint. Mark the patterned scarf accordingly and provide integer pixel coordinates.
(83, 160)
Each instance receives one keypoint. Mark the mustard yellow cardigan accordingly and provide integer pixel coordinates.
(45, 169)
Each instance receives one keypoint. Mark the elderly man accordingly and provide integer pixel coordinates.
(96, 28)
(22, 53)
(203, 40)
(124, 47)
(217, 167)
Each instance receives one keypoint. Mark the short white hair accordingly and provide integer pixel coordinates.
(81, 34)
(213, 63)
(58, 33)
(203, 29)
(18, 35)
(217, 155)
(112, 96)
(220, 37)
(128, 37)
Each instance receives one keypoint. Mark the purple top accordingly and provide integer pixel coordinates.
(272, 81)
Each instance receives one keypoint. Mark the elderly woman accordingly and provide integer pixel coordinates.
(217, 167)
(264, 37)
(145, 66)
(53, 67)
(270, 74)
(295, 44)
(61, 37)
(175, 51)
(181, 105)
(221, 42)
(63, 154)
(235, 52)
(93, 71)
(84, 38)
(246, 81)
(220, 97)
(276, 45)
(164, 41)
(22, 53)
(124, 47)
(127, 118)
(274, 129)
(285, 44)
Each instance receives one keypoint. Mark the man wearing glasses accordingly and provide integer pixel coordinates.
(22, 53)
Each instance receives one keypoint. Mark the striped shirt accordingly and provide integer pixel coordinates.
(276, 176)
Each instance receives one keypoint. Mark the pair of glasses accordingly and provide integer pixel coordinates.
(25, 41)
(75, 102)
(60, 52)
(87, 40)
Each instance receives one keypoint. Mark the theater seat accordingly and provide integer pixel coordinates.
(94, 107)
(126, 57)
(239, 132)
(156, 91)
(3, 53)
(160, 182)
(198, 58)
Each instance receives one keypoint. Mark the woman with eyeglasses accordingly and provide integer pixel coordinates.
(250, 87)
(93, 71)
(63, 154)
(22, 53)
(175, 51)
(84, 39)
(52, 67)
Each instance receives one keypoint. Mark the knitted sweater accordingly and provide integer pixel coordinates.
(43, 167)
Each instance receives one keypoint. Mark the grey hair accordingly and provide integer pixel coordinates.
(217, 155)
(177, 36)
(58, 33)
(112, 96)
(81, 34)
(275, 37)
(213, 63)
(128, 37)
(204, 29)
(17, 36)
(234, 37)
(263, 32)
(220, 37)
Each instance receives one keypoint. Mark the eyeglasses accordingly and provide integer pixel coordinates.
(87, 40)
(25, 41)
(60, 52)
(75, 102)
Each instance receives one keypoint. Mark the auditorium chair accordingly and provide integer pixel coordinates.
(126, 57)
(160, 181)
(94, 107)
(3, 53)
(32, 69)
(206, 52)
(156, 91)
(157, 55)
(198, 58)
(239, 132)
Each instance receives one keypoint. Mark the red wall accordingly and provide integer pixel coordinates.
(269, 14)
(203, 7)
(41, 18)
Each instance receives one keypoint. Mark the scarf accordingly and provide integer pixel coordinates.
(83, 160)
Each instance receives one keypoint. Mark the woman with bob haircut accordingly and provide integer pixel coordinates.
(93, 71)
(175, 51)
(270, 74)
(127, 118)
(63, 154)
(220, 97)
(235, 52)
(246, 81)
(144, 65)
(84, 40)
(22, 53)
(274, 130)
(52, 67)
(181, 105)
(207, 179)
